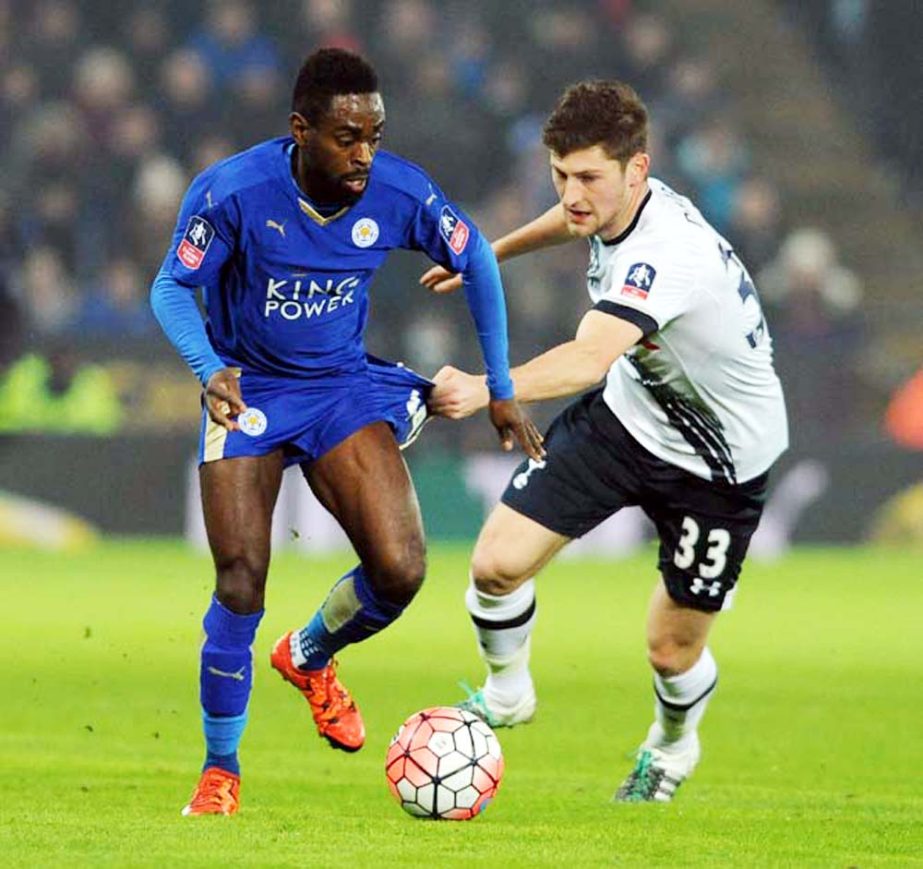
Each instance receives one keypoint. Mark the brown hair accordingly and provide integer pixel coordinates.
(606, 113)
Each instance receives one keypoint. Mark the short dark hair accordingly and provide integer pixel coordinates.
(606, 113)
(327, 73)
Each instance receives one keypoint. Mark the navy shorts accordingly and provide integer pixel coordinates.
(308, 418)
(594, 467)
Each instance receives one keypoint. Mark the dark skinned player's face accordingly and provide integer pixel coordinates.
(335, 154)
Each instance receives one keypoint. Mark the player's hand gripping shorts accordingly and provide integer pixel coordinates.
(308, 418)
(594, 467)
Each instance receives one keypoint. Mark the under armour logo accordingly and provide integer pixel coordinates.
(520, 481)
(698, 586)
(237, 676)
(271, 224)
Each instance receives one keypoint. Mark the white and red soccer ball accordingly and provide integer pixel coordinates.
(444, 763)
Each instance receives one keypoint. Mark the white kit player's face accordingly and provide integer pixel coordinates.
(598, 196)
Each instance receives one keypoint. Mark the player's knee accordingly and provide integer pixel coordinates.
(398, 575)
(670, 656)
(240, 583)
(494, 574)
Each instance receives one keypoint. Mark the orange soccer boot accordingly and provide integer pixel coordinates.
(217, 793)
(333, 708)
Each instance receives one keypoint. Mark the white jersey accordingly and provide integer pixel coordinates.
(699, 391)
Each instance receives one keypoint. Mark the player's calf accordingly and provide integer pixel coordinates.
(225, 678)
(395, 577)
(503, 624)
(671, 751)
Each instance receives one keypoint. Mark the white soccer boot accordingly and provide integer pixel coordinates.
(658, 772)
(494, 714)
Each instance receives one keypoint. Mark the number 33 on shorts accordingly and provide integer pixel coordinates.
(711, 561)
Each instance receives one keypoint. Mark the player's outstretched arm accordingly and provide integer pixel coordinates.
(575, 366)
(484, 295)
(547, 230)
(567, 369)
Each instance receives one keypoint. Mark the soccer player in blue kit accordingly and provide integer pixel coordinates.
(284, 239)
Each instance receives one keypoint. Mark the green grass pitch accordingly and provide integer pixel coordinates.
(812, 747)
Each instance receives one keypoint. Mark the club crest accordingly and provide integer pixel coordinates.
(365, 232)
(252, 422)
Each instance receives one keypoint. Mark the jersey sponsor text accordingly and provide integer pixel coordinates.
(308, 298)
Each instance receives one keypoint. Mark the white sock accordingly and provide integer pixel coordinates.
(503, 624)
(680, 703)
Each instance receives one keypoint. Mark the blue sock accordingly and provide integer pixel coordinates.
(225, 678)
(222, 736)
(351, 613)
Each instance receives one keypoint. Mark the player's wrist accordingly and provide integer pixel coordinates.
(498, 389)
(207, 373)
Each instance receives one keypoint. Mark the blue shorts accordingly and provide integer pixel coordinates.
(307, 419)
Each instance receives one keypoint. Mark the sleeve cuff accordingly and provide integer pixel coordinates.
(500, 389)
(208, 370)
(645, 322)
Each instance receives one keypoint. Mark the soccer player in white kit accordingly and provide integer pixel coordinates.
(687, 425)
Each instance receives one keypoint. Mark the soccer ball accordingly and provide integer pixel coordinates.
(444, 763)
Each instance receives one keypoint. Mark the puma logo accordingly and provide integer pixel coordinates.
(271, 224)
(237, 676)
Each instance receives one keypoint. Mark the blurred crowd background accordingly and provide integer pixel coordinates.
(109, 109)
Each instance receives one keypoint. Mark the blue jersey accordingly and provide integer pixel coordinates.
(286, 288)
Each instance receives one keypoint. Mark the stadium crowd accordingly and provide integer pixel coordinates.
(108, 109)
(872, 50)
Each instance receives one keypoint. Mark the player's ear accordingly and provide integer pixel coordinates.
(638, 166)
(300, 127)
